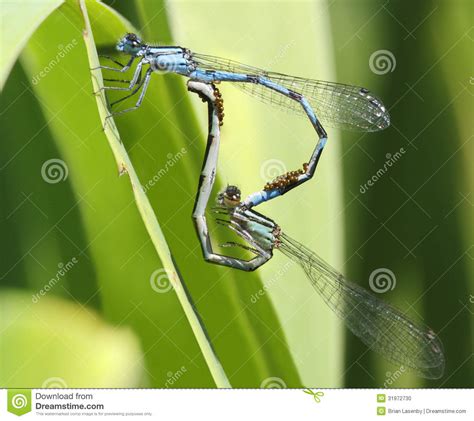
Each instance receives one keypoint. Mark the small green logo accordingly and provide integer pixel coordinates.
(19, 401)
(381, 397)
(380, 410)
(316, 395)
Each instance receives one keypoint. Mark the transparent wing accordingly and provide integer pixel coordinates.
(380, 326)
(336, 105)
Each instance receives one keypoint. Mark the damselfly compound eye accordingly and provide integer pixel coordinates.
(232, 193)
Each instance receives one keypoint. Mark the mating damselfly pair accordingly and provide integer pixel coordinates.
(334, 104)
(383, 328)
(379, 325)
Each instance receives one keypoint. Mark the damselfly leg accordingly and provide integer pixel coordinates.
(321, 102)
(143, 85)
(207, 92)
(382, 327)
(123, 67)
(135, 79)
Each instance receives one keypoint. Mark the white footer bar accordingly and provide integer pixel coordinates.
(238, 404)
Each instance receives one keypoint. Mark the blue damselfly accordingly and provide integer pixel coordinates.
(379, 325)
(334, 104)
(382, 327)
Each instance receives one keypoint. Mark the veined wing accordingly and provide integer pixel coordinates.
(380, 326)
(335, 104)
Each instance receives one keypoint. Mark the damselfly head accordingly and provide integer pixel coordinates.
(130, 44)
(230, 197)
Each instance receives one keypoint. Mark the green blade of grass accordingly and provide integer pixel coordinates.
(147, 213)
(225, 297)
(247, 336)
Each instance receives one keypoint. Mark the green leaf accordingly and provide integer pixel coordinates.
(260, 141)
(18, 24)
(170, 271)
(416, 220)
(52, 342)
(247, 337)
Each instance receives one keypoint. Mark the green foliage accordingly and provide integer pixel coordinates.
(269, 327)
(416, 219)
(52, 342)
(97, 220)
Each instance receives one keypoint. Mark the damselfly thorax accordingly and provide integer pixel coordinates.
(321, 102)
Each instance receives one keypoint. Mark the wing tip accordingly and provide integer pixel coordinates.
(384, 121)
(380, 117)
(435, 370)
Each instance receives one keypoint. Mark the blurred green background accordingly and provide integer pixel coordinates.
(71, 231)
